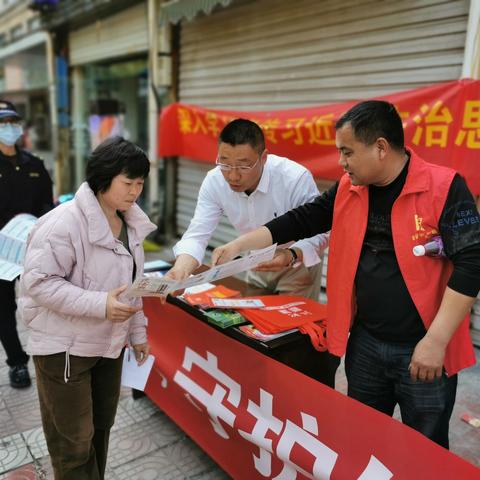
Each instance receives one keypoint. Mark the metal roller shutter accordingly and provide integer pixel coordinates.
(274, 54)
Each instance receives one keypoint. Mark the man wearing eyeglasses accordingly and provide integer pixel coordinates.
(251, 187)
(25, 187)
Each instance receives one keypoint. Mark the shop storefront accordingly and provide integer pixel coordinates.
(116, 100)
(24, 80)
(110, 82)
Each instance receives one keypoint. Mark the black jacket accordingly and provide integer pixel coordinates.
(25, 186)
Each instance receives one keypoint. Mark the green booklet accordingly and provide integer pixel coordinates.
(224, 318)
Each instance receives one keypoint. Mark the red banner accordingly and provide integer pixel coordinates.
(442, 124)
(260, 419)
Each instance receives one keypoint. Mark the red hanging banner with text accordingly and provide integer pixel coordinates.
(442, 124)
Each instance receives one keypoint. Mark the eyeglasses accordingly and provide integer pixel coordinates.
(241, 168)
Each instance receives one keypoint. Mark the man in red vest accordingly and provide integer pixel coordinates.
(401, 319)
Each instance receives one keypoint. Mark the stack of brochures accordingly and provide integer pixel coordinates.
(236, 303)
(250, 331)
(202, 298)
(224, 318)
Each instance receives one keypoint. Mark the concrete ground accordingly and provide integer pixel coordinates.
(146, 445)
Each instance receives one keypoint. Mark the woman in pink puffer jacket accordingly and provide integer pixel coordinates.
(80, 258)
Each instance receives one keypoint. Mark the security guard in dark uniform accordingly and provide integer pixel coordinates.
(25, 187)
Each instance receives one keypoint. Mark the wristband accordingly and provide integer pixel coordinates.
(294, 262)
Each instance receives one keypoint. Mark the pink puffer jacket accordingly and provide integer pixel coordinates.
(72, 261)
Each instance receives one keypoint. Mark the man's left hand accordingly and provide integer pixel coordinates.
(427, 360)
(282, 259)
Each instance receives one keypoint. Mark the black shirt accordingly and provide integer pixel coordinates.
(25, 186)
(384, 305)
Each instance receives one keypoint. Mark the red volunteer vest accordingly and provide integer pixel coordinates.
(415, 216)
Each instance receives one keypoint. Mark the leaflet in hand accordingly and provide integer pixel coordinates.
(154, 287)
(13, 239)
(134, 375)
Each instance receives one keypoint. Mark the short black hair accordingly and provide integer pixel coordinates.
(374, 119)
(113, 157)
(243, 132)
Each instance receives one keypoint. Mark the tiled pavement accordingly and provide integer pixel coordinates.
(146, 445)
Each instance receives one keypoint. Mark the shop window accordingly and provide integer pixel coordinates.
(117, 101)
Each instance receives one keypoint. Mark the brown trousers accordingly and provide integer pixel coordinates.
(77, 416)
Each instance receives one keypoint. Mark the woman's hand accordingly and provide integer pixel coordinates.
(141, 350)
(117, 311)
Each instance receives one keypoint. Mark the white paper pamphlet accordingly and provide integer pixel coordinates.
(199, 288)
(237, 303)
(133, 375)
(154, 287)
(13, 240)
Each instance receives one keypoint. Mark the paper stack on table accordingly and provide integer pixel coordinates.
(224, 318)
(202, 299)
(234, 303)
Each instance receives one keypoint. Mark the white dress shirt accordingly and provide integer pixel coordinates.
(284, 185)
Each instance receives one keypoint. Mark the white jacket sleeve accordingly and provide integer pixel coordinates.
(205, 219)
(305, 191)
(48, 263)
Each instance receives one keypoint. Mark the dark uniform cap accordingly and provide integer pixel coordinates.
(7, 109)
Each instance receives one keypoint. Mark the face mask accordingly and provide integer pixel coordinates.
(10, 133)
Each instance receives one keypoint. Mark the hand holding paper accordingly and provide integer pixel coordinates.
(152, 287)
(13, 238)
(142, 351)
(133, 374)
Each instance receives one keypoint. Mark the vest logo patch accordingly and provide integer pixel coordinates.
(34, 174)
(420, 231)
(418, 224)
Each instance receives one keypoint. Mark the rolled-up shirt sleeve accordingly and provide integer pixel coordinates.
(312, 248)
(205, 219)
